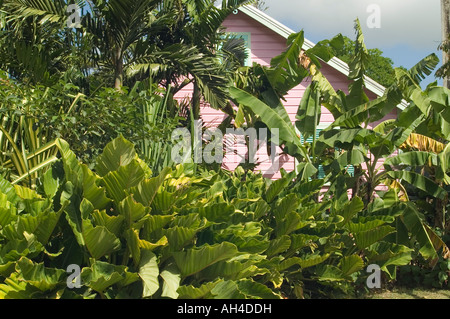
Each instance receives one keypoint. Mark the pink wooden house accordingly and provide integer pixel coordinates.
(266, 38)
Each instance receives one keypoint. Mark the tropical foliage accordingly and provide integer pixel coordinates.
(117, 43)
(138, 236)
(34, 116)
(87, 181)
(395, 159)
(379, 67)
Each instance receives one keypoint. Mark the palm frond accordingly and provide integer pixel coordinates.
(188, 61)
(424, 68)
(43, 10)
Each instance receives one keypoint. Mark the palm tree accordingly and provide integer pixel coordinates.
(121, 41)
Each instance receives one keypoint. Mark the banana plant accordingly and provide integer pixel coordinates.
(263, 105)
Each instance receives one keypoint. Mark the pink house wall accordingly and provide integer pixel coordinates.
(265, 45)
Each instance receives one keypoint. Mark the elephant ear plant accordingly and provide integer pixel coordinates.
(180, 234)
(131, 235)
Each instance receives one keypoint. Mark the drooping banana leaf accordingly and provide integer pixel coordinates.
(271, 118)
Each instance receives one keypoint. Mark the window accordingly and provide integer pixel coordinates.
(321, 172)
(246, 37)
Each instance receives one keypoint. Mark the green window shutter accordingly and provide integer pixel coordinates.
(321, 173)
(248, 44)
(246, 36)
(351, 170)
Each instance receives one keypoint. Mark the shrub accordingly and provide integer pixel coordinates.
(36, 116)
(181, 234)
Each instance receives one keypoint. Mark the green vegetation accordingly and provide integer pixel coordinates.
(137, 236)
(87, 177)
(379, 67)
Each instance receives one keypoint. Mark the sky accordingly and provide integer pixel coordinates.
(405, 30)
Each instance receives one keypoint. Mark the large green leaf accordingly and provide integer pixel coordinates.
(287, 205)
(81, 177)
(359, 63)
(112, 223)
(149, 273)
(292, 222)
(325, 50)
(350, 209)
(368, 237)
(386, 254)
(365, 225)
(275, 188)
(329, 273)
(220, 212)
(306, 171)
(102, 275)
(331, 99)
(351, 264)
(99, 240)
(8, 189)
(309, 112)
(155, 223)
(91, 190)
(421, 182)
(131, 210)
(423, 68)
(50, 183)
(243, 289)
(419, 158)
(242, 266)
(270, 117)
(8, 213)
(194, 260)
(146, 190)
(286, 72)
(278, 245)
(72, 202)
(171, 282)
(179, 237)
(117, 153)
(126, 176)
(15, 287)
(132, 238)
(415, 223)
(368, 112)
(40, 276)
(47, 224)
(312, 260)
(202, 292)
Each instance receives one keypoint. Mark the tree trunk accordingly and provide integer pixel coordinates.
(196, 101)
(445, 10)
(118, 76)
(118, 72)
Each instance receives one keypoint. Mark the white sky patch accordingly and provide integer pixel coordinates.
(414, 23)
